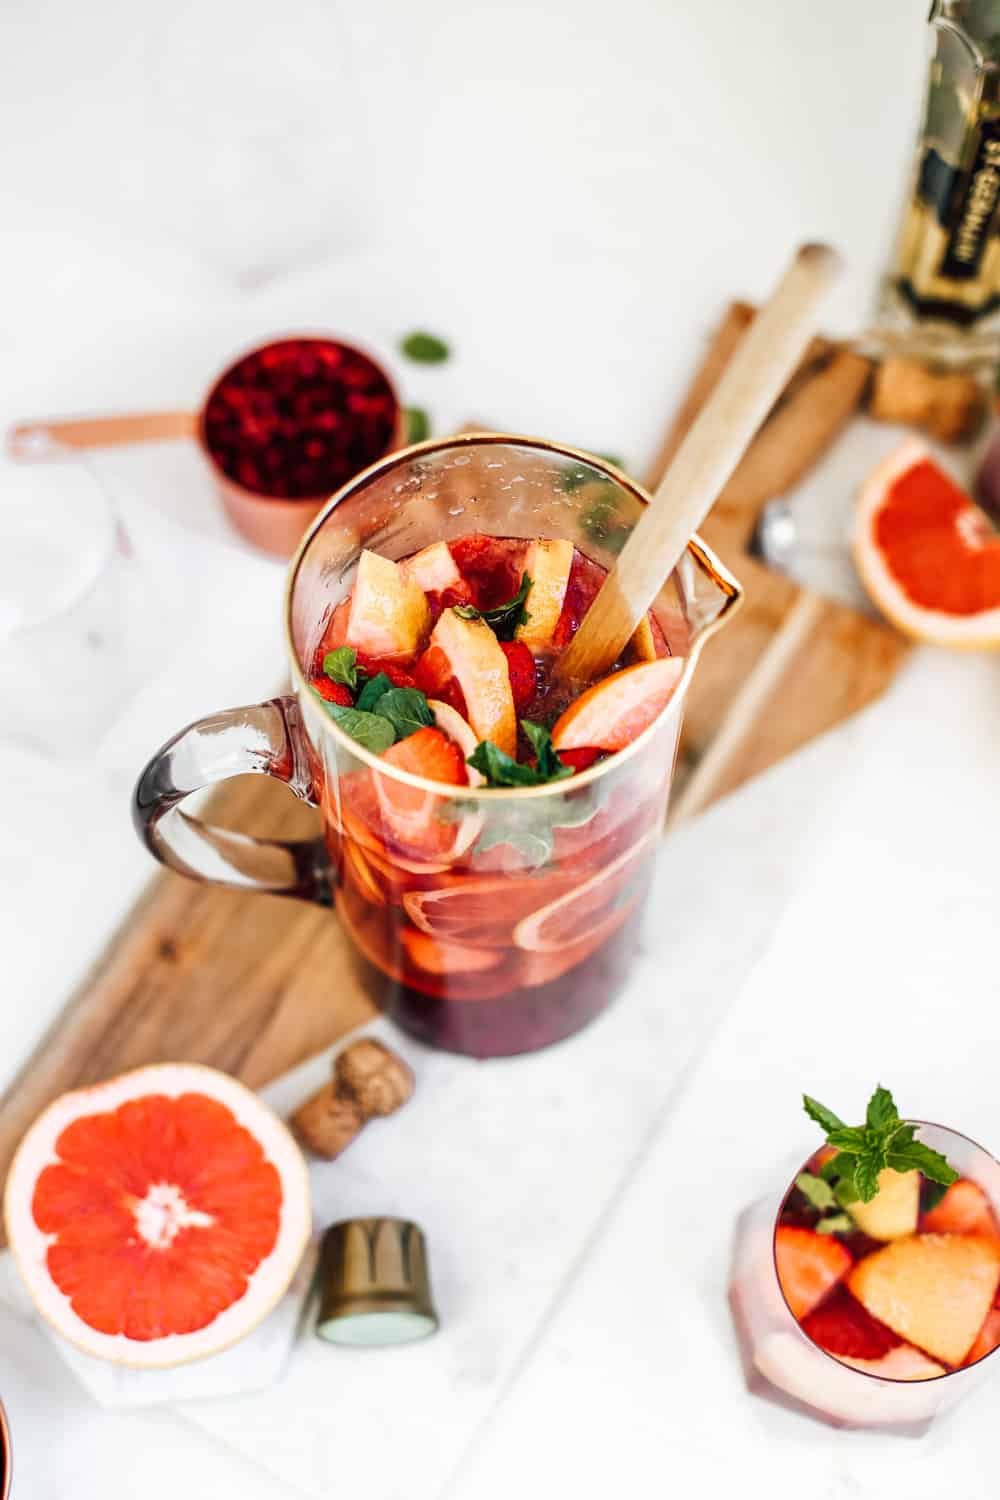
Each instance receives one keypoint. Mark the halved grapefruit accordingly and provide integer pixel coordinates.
(928, 557)
(615, 711)
(158, 1217)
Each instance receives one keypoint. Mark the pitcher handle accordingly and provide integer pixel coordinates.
(264, 739)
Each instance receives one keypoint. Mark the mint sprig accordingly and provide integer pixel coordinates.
(503, 619)
(370, 730)
(501, 769)
(866, 1150)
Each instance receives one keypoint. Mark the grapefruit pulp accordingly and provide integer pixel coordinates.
(927, 556)
(158, 1217)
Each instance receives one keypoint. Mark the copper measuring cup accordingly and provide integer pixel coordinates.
(273, 523)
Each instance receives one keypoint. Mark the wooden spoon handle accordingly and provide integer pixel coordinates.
(33, 439)
(765, 357)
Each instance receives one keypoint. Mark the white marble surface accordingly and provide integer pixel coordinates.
(570, 192)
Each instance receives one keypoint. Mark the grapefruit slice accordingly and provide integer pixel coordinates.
(987, 1339)
(934, 1290)
(928, 557)
(902, 1363)
(437, 957)
(480, 669)
(158, 1217)
(415, 818)
(597, 906)
(482, 913)
(616, 710)
(547, 564)
(389, 613)
(433, 569)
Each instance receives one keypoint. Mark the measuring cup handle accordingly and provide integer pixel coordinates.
(265, 739)
(37, 439)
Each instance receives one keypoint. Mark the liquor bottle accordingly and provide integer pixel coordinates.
(940, 300)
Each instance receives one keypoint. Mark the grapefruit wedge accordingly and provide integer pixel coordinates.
(389, 613)
(547, 564)
(158, 1217)
(480, 669)
(433, 569)
(928, 557)
(616, 710)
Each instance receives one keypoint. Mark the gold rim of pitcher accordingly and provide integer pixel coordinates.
(702, 554)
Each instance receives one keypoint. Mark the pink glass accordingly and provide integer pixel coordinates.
(783, 1364)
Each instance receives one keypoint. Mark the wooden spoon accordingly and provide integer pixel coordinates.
(754, 379)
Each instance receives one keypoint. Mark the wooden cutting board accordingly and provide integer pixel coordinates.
(254, 984)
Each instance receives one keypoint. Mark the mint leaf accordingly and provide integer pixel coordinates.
(825, 1118)
(370, 730)
(917, 1157)
(372, 692)
(866, 1175)
(882, 1111)
(418, 424)
(819, 1193)
(504, 619)
(835, 1224)
(467, 611)
(424, 348)
(845, 1189)
(342, 666)
(501, 769)
(406, 709)
(841, 1165)
(550, 767)
(847, 1138)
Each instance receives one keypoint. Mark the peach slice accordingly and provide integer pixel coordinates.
(893, 1212)
(433, 569)
(451, 723)
(547, 564)
(480, 669)
(616, 710)
(389, 613)
(934, 1290)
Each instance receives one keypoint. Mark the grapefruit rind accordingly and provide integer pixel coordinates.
(266, 1286)
(933, 627)
(530, 933)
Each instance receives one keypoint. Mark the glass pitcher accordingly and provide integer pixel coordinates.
(488, 921)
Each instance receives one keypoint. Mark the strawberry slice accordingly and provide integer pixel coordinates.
(580, 760)
(521, 671)
(331, 692)
(396, 674)
(841, 1326)
(809, 1266)
(964, 1209)
(428, 753)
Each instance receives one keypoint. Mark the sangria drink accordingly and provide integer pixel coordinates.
(493, 930)
(870, 1297)
(489, 828)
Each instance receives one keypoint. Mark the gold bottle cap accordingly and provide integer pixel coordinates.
(373, 1284)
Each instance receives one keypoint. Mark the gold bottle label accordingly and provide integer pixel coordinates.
(971, 217)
